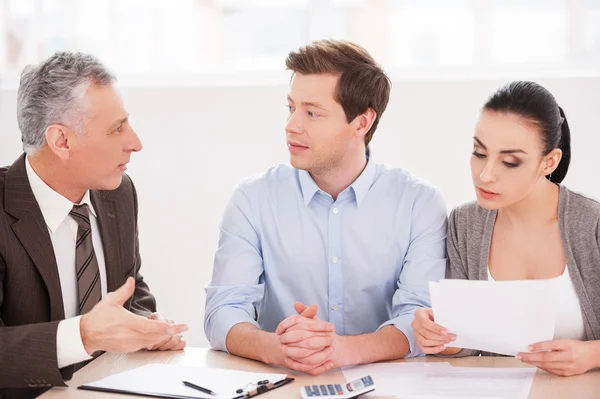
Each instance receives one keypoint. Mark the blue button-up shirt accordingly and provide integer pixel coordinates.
(365, 259)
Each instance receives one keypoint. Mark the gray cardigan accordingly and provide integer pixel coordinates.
(470, 230)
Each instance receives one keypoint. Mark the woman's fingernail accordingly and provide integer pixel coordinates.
(519, 357)
(530, 348)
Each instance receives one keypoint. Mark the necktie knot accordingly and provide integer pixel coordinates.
(81, 215)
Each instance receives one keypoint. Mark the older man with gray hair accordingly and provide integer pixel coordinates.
(70, 282)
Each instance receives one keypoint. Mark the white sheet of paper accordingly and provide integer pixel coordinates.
(470, 382)
(167, 379)
(392, 378)
(496, 316)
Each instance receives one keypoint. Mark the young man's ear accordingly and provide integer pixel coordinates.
(364, 122)
(57, 139)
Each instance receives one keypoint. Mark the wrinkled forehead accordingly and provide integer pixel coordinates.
(104, 105)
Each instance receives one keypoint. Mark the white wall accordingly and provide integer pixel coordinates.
(200, 141)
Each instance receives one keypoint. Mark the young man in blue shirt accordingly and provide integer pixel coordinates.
(356, 239)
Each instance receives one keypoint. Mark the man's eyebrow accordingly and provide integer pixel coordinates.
(309, 104)
(119, 122)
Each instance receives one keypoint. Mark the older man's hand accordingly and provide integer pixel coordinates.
(174, 343)
(110, 327)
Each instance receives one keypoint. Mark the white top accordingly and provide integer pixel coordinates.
(569, 317)
(63, 233)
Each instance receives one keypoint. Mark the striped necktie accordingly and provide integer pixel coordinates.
(88, 274)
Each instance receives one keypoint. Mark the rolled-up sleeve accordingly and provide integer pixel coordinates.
(236, 286)
(425, 261)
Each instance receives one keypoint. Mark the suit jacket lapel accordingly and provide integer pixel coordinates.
(32, 232)
(107, 213)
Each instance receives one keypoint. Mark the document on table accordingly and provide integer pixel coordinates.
(496, 316)
(165, 380)
(393, 378)
(470, 382)
(432, 380)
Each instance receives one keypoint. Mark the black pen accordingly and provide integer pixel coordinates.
(199, 388)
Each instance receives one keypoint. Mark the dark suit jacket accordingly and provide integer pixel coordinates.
(31, 304)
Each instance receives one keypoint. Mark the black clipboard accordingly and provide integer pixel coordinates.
(259, 391)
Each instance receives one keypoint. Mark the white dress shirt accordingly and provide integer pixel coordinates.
(63, 233)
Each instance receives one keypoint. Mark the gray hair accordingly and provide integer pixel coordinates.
(53, 92)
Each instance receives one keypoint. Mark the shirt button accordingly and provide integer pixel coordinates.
(334, 259)
(335, 210)
(336, 307)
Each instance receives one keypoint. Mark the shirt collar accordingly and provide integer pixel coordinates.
(364, 182)
(54, 206)
(360, 186)
(308, 186)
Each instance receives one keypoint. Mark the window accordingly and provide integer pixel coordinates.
(150, 41)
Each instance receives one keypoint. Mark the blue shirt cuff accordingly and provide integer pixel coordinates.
(222, 321)
(403, 323)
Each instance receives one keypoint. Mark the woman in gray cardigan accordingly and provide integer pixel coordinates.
(525, 226)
